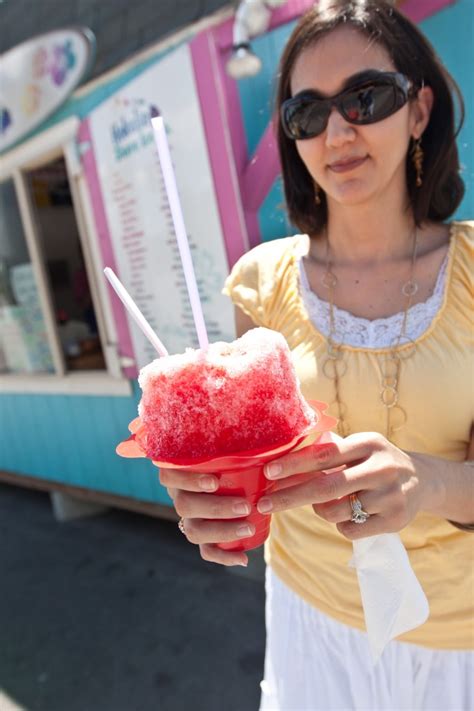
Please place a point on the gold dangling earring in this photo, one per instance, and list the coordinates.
(317, 197)
(417, 156)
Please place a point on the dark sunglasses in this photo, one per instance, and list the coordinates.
(370, 100)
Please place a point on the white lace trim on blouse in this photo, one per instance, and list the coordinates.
(377, 333)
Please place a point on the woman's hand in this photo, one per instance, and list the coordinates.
(385, 479)
(195, 503)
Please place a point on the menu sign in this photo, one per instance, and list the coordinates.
(137, 212)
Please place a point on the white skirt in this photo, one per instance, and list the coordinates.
(314, 663)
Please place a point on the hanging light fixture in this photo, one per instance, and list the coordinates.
(252, 18)
(255, 15)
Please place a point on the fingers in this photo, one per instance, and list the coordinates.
(188, 480)
(325, 456)
(201, 531)
(372, 527)
(190, 505)
(204, 515)
(304, 460)
(319, 488)
(387, 511)
(328, 486)
(212, 554)
(329, 495)
(340, 510)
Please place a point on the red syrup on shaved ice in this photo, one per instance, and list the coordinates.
(227, 410)
(229, 398)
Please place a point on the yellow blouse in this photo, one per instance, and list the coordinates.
(436, 394)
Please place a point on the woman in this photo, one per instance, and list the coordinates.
(373, 299)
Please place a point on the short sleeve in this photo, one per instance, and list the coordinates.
(243, 287)
(465, 253)
(461, 291)
(258, 277)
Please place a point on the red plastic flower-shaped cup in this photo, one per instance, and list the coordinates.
(240, 474)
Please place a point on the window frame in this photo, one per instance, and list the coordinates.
(59, 142)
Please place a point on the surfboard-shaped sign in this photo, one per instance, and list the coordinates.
(37, 76)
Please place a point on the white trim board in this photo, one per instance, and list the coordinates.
(42, 148)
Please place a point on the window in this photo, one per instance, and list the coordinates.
(66, 272)
(57, 329)
(24, 344)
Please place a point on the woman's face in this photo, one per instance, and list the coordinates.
(352, 164)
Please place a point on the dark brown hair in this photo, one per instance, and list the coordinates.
(412, 54)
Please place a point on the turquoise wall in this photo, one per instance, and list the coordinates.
(450, 31)
(72, 440)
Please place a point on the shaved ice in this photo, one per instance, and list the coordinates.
(228, 398)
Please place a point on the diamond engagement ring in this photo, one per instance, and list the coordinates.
(358, 513)
(181, 526)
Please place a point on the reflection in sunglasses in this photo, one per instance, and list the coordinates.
(306, 115)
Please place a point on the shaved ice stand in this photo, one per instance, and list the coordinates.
(83, 190)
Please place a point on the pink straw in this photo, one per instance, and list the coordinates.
(180, 230)
(134, 311)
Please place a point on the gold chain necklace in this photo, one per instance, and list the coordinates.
(334, 367)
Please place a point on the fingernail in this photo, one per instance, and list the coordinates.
(273, 470)
(208, 483)
(245, 531)
(264, 505)
(241, 508)
(243, 564)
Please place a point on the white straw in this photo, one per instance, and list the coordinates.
(134, 311)
(180, 230)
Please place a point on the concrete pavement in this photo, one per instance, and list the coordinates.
(118, 613)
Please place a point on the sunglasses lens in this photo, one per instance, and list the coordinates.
(369, 103)
(305, 118)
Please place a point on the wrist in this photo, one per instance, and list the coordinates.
(433, 490)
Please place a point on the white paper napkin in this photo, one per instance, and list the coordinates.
(392, 597)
